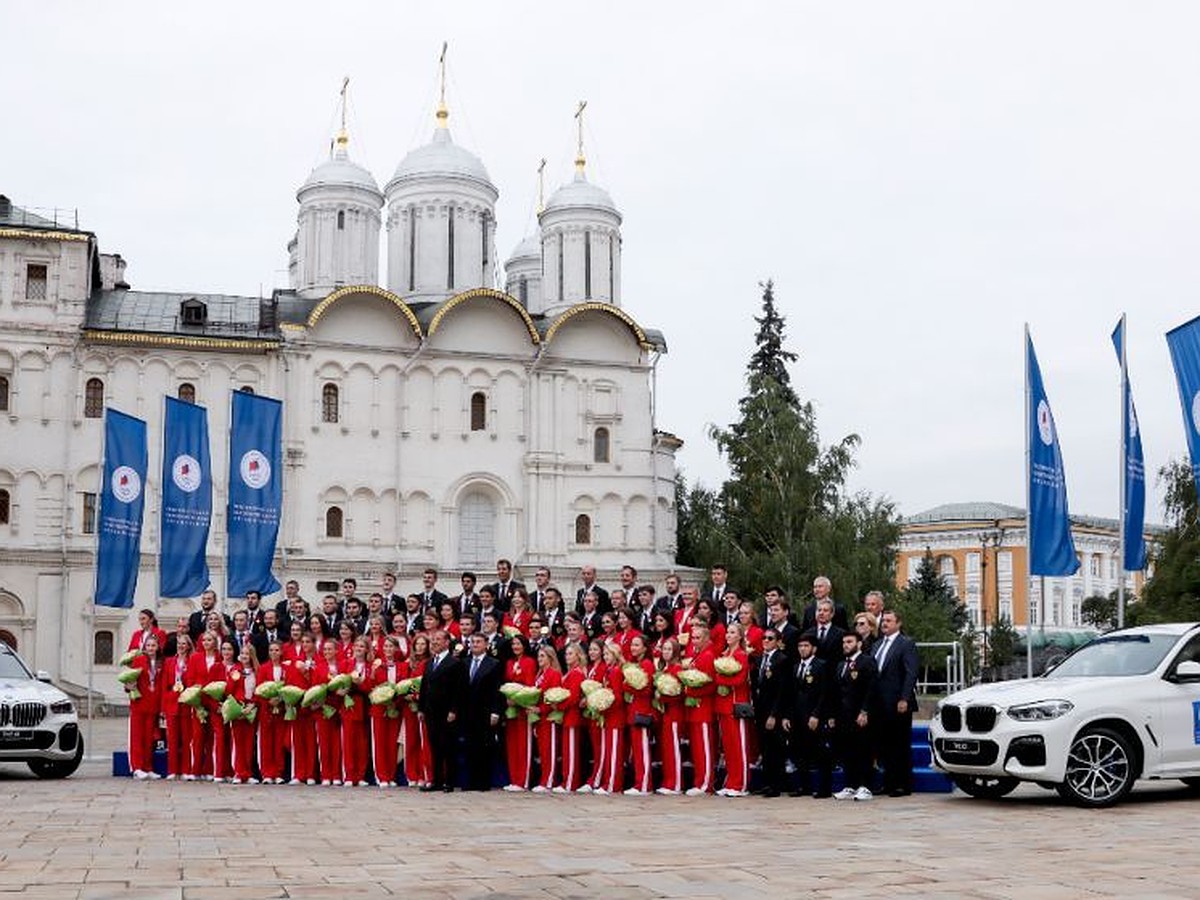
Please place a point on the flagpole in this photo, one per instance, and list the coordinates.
(1124, 474)
(1028, 523)
(90, 643)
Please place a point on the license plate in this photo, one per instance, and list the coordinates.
(13, 737)
(962, 746)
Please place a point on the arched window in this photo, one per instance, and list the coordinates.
(476, 530)
(329, 403)
(600, 445)
(583, 529)
(187, 392)
(478, 411)
(93, 399)
(246, 389)
(5, 507)
(7, 637)
(341, 220)
(333, 522)
(102, 648)
(3, 393)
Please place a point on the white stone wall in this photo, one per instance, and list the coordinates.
(327, 257)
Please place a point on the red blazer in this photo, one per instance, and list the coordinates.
(754, 636)
(150, 688)
(643, 700)
(522, 670)
(169, 701)
(546, 679)
(614, 716)
(573, 715)
(624, 638)
(519, 620)
(293, 652)
(266, 672)
(376, 645)
(135, 642)
(359, 692)
(703, 661)
(239, 687)
(716, 637)
(739, 685)
(683, 620)
(199, 671)
(672, 707)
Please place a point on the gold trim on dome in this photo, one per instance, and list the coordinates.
(491, 294)
(42, 235)
(607, 308)
(145, 338)
(374, 291)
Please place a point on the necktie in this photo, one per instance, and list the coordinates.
(766, 664)
(474, 666)
(821, 634)
(883, 649)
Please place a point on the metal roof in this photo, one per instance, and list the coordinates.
(160, 312)
(13, 216)
(973, 511)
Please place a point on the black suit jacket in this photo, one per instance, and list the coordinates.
(196, 623)
(789, 636)
(482, 697)
(257, 641)
(809, 619)
(770, 683)
(811, 694)
(603, 605)
(830, 649)
(442, 689)
(436, 599)
(504, 599)
(898, 675)
(856, 688)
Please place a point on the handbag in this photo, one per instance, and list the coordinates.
(743, 710)
(643, 720)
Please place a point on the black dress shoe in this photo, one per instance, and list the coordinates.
(822, 795)
(770, 792)
(448, 790)
(898, 792)
(427, 788)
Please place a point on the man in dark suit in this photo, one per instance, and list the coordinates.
(856, 688)
(197, 620)
(778, 617)
(829, 635)
(443, 689)
(821, 588)
(482, 708)
(806, 722)
(283, 608)
(242, 635)
(588, 575)
(590, 616)
(895, 656)
(331, 616)
(393, 603)
(505, 585)
(431, 597)
(271, 630)
(718, 575)
(770, 690)
(554, 617)
(498, 647)
(255, 609)
(537, 594)
(468, 600)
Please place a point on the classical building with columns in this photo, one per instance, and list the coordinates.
(437, 415)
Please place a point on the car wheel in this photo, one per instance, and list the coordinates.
(58, 768)
(985, 787)
(1192, 783)
(1101, 768)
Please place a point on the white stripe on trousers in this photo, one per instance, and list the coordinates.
(549, 782)
(645, 740)
(616, 757)
(569, 774)
(603, 756)
(741, 724)
(708, 765)
(677, 752)
(528, 752)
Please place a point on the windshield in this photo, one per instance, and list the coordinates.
(11, 667)
(1118, 654)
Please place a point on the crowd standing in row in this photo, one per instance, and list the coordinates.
(572, 699)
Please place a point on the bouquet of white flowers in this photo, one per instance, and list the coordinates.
(667, 685)
(215, 690)
(410, 689)
(590, 685)
(635, 676)
(556, 697)
(128, 658)
(727, 666)
(231, 710)
(598, 702)
(314, 696)
(129, 677)
(291, 697)
(342, 685)
(521, 696)
(194, 698)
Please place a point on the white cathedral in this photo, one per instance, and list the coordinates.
(436, 421)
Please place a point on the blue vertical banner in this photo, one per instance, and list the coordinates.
(186, 501)
(1184, 343)
(255, 492)
(1134, 520)
(122, 502)
(1051, 546)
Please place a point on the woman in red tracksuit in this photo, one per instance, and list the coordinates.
(698, 711)
(376, 635)
(147, 627)
(612, 775)
(272, 729)
(518, 732)
(626, 631)
(731, 691)
(549, 733)
(143, 709)
(385, 719)
(222, 739)
(670, 723)
(293, 649)
(518, 617)
(177, 717)
(329, 727)
(572, 763)
(243, 681)
(640, 717)
(597, 671)
(303, 733)
(418, 764)
(345, 641)
(200, 666)
(354, 717)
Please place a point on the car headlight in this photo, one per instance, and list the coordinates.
(1040, 711)
(62, 707)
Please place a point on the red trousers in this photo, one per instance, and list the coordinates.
(700, 738)
(220, 747)
(329, 746)
(354, 749)
(596, 740)
(242, 740)
(639, 749)
(572, 761)
(272, 735)
(202, 744)
(384, 732)
(735, 741)
(143, 723)
(548, 740)
(418, 764)
(669, 736)
(612, 779)
(179, 743)
(518, 746)
(304, 747)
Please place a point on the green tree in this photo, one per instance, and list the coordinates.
(1099, 611)
(1173, 594)
(931, 612)
(1002, 644)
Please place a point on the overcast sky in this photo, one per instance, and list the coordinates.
(919, 179)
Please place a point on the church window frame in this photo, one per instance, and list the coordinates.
(330, 403)
(587, 265)
(583, 529)
(450, 248)
(186, 392)
(104, 643)
(341, 220)
(479, 411)
(37, 281)
(5, 507)
(335, 523)
(93, 398)
(5, 393)
(89, 512)
(602, 445)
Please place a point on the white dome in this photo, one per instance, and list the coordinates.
(340, 171)
(441, 157)
(581, 194)
(530, 247)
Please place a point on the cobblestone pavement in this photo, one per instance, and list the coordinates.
(94, 836)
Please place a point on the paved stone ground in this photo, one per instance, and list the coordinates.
(94, 836)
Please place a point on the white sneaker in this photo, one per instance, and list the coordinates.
(189, 777)
(293, 781)
(634, 792)
(255, 781)
(236, 781)
(600, 792)
(863, 794)
(326, 783)
(311, 782)
(559, 790)
(730, 793)
(539, 789)
(723, 792)
(789, 767)
(153, 776)
(172, 777)
(584, 789)
(846, 793)
(696, 792)
(139, 774)
(513, 788)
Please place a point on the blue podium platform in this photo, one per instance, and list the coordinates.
(926, 780)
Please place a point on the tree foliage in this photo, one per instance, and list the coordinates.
(1099, 611)
(930, 611)
(1173, 594)
(1002, 643)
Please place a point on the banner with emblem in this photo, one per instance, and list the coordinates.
(255, 492)
(186, 501)
(122, 502)
(1133, 507)
(1051, 546)
(1184, 343)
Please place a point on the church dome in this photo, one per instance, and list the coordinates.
(441, 158)
(530, 248)
(340, 171)
(579, 193)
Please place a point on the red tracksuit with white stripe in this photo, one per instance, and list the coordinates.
(329, 729)
(670, 736)
(272, 729)
(385, 728)
(418, 763)
(518, 732)
(596, 672)
(612, 776)
(303, 730)
(641, 703)
(354, 721)
(139, 638)
(242, 733)
(735, 738)
(549, 734)
(143, 714)
(177, 716)
(572, 731)
(222, 739)
(699, 718)
(200, 666)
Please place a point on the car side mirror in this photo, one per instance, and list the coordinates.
(43, 675)
(1187, 672)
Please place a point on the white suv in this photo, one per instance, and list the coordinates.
(38, 722)
(1122, 707)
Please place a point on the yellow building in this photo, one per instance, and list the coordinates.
(980, 550)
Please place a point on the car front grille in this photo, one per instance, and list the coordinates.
(951, 717)
(967, 753)
(981, 719)
(27, 740)
(27, 714)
